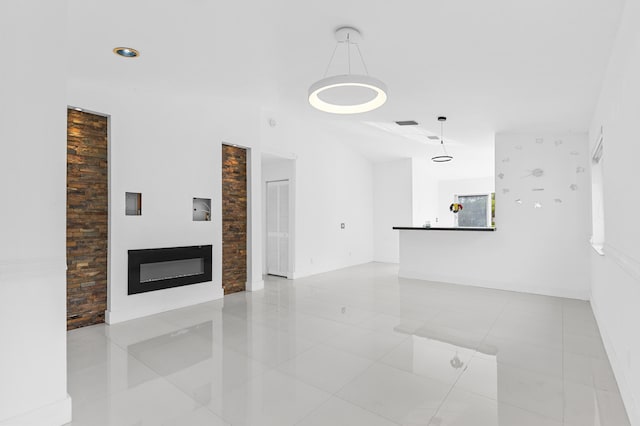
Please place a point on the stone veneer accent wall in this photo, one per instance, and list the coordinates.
(87, 218)
(234, 219)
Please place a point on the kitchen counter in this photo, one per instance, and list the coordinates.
(411, 228)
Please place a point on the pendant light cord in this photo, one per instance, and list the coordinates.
(366, 70)
(349, 52)
(445, 150)
(442, 138)
(349, 43)
(330, 60)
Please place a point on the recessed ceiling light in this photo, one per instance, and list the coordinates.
(126, 52)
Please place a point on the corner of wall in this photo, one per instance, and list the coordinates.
(254, 285)
(55, 414)
(625, 388)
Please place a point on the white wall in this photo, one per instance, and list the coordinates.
(424, 192)
(535, 250)
(33, 383)
(447, 189)
(333, 186)
(167, 146)
(392, 206)
(615, 288)
(273, 170)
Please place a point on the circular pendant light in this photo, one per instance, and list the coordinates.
(445, 157)
(325, 94)
(348, 93)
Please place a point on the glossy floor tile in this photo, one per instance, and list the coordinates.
(429, 358)
(326, 368)
(358, 346)
(337, 412)
(270, 399)
(463, 408)
(395, 394)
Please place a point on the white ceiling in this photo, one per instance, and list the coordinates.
(490, 66)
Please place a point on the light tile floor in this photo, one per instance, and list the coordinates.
(358, 346)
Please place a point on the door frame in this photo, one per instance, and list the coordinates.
(291, 177)
(288, 273)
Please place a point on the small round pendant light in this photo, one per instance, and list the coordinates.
(445, 157)
(347, 93)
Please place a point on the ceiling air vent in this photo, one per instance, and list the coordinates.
(407, 123)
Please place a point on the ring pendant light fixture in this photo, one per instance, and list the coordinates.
(445, 157)
(347, 93)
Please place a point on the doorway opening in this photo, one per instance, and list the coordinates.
(278, 215)
(277, 254)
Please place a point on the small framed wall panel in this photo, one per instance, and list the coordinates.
(202, 209)
(133, 204)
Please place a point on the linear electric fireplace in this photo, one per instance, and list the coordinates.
(157, 269)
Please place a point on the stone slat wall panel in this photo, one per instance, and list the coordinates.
(87, 218)
(234, 219)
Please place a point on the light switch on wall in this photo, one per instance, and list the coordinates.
(342, 226)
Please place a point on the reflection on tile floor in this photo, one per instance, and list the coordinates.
(352, 347)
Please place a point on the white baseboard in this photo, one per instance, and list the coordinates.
(296, 275)
(618, 370)
(56, 414)
(554, 292)
(254, 286)
(115, 317)
(309, 273)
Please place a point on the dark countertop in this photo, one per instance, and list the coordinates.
(410, 228)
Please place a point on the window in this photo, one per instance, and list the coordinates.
(475, 211)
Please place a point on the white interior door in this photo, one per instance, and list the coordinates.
(278, 228)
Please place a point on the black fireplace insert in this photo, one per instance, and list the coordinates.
(160, 268)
